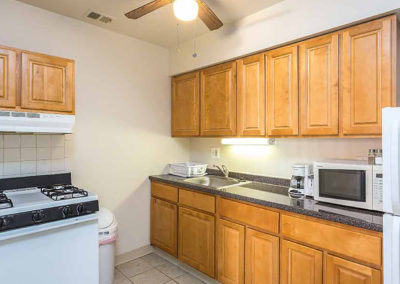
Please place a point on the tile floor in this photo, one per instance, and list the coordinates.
(152, 269)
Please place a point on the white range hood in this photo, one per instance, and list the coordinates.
(28, 122)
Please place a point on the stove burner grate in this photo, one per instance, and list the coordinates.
(62, 192)
(5, 202)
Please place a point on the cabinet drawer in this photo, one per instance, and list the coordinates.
(197, 200)
(164, 191)
(250, 215)
(354, 244)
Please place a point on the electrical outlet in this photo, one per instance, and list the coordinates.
(215, 154)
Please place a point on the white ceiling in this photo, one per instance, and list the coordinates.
(160, 26)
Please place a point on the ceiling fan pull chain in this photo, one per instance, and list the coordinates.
(194, 39)
(178, 46)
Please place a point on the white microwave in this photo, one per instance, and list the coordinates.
(349, 183)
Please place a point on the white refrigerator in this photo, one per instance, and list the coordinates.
(391, 194)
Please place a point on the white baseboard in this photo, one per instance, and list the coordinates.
(134, 254)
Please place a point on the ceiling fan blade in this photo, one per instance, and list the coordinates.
(208, 17)
(145, 9)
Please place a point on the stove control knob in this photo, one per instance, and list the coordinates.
(81, 208)
(38, 216)
(67, 211)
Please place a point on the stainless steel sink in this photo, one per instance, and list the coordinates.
(216, 182)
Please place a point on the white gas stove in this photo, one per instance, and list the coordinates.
(53, 224)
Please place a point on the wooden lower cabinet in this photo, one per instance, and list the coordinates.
(262, 258)
(196, 240)
(230, 252)
(341, 271)
(164, 225)
(300, 264)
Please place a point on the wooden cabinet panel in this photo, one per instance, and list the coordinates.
(197, 200)
(47, 83)
(300, 264)
(196, 240)
(186, 105)
(8, 77)
(251, 96)
(248, 214)
(319, 88)
(164, 191)
(352, 243)
(340, 271)
(218, 100)
(368, 84)
(164, 217)
(230, 255)
(262, 258)
(282, 91)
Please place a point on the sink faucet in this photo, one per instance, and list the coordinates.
(223, 169)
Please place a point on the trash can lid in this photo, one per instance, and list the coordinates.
(106, 218)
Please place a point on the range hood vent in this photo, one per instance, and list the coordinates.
(28, 122)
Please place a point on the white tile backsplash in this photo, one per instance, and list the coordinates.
(25, 155)
(12, 155)
(43, 141)
(28, 141)
(28, 154)
(28, 167)
(43, 153)
(12, 141)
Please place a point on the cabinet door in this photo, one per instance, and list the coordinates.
(319, 88)
(47, 83)
(164, 216)
(8, 77)
(300, 264)
(367, 75)
(196, 240)
(251, 96)
(262, 258)
(186, 105)
(282, 91)
(218, 100)
(340, 271)
(230, 255)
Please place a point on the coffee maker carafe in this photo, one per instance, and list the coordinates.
(301, 181)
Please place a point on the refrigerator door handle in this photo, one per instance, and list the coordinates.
(391, 246)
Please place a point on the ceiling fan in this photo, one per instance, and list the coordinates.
(185, 10)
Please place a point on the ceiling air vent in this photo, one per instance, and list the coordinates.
(99, 17)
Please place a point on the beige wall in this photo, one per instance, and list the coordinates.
(122, 130)
(283, 22)
(277, 160)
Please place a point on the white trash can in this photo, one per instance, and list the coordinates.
(107, 235)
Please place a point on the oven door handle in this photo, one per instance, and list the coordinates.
(34, 229)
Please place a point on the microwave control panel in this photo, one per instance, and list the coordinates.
(377, 182)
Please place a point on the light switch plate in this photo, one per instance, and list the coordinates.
(215, 153)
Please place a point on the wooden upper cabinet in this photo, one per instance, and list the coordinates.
(218, 100)
(196, 240)
(47, 83)
(368, 80)
(319, 89)
(186, 105)
(340, 271)
(164, 218)
(230, 252)
(282, 91)
(251, 96)
(8, 77)
(262, 258)
(300, 264)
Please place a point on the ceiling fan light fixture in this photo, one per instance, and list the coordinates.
(186, 10)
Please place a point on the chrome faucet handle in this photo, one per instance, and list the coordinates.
(223, 169)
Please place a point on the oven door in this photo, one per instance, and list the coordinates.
(344, 184)
(61, 252)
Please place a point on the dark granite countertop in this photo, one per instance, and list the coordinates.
(276, 196)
